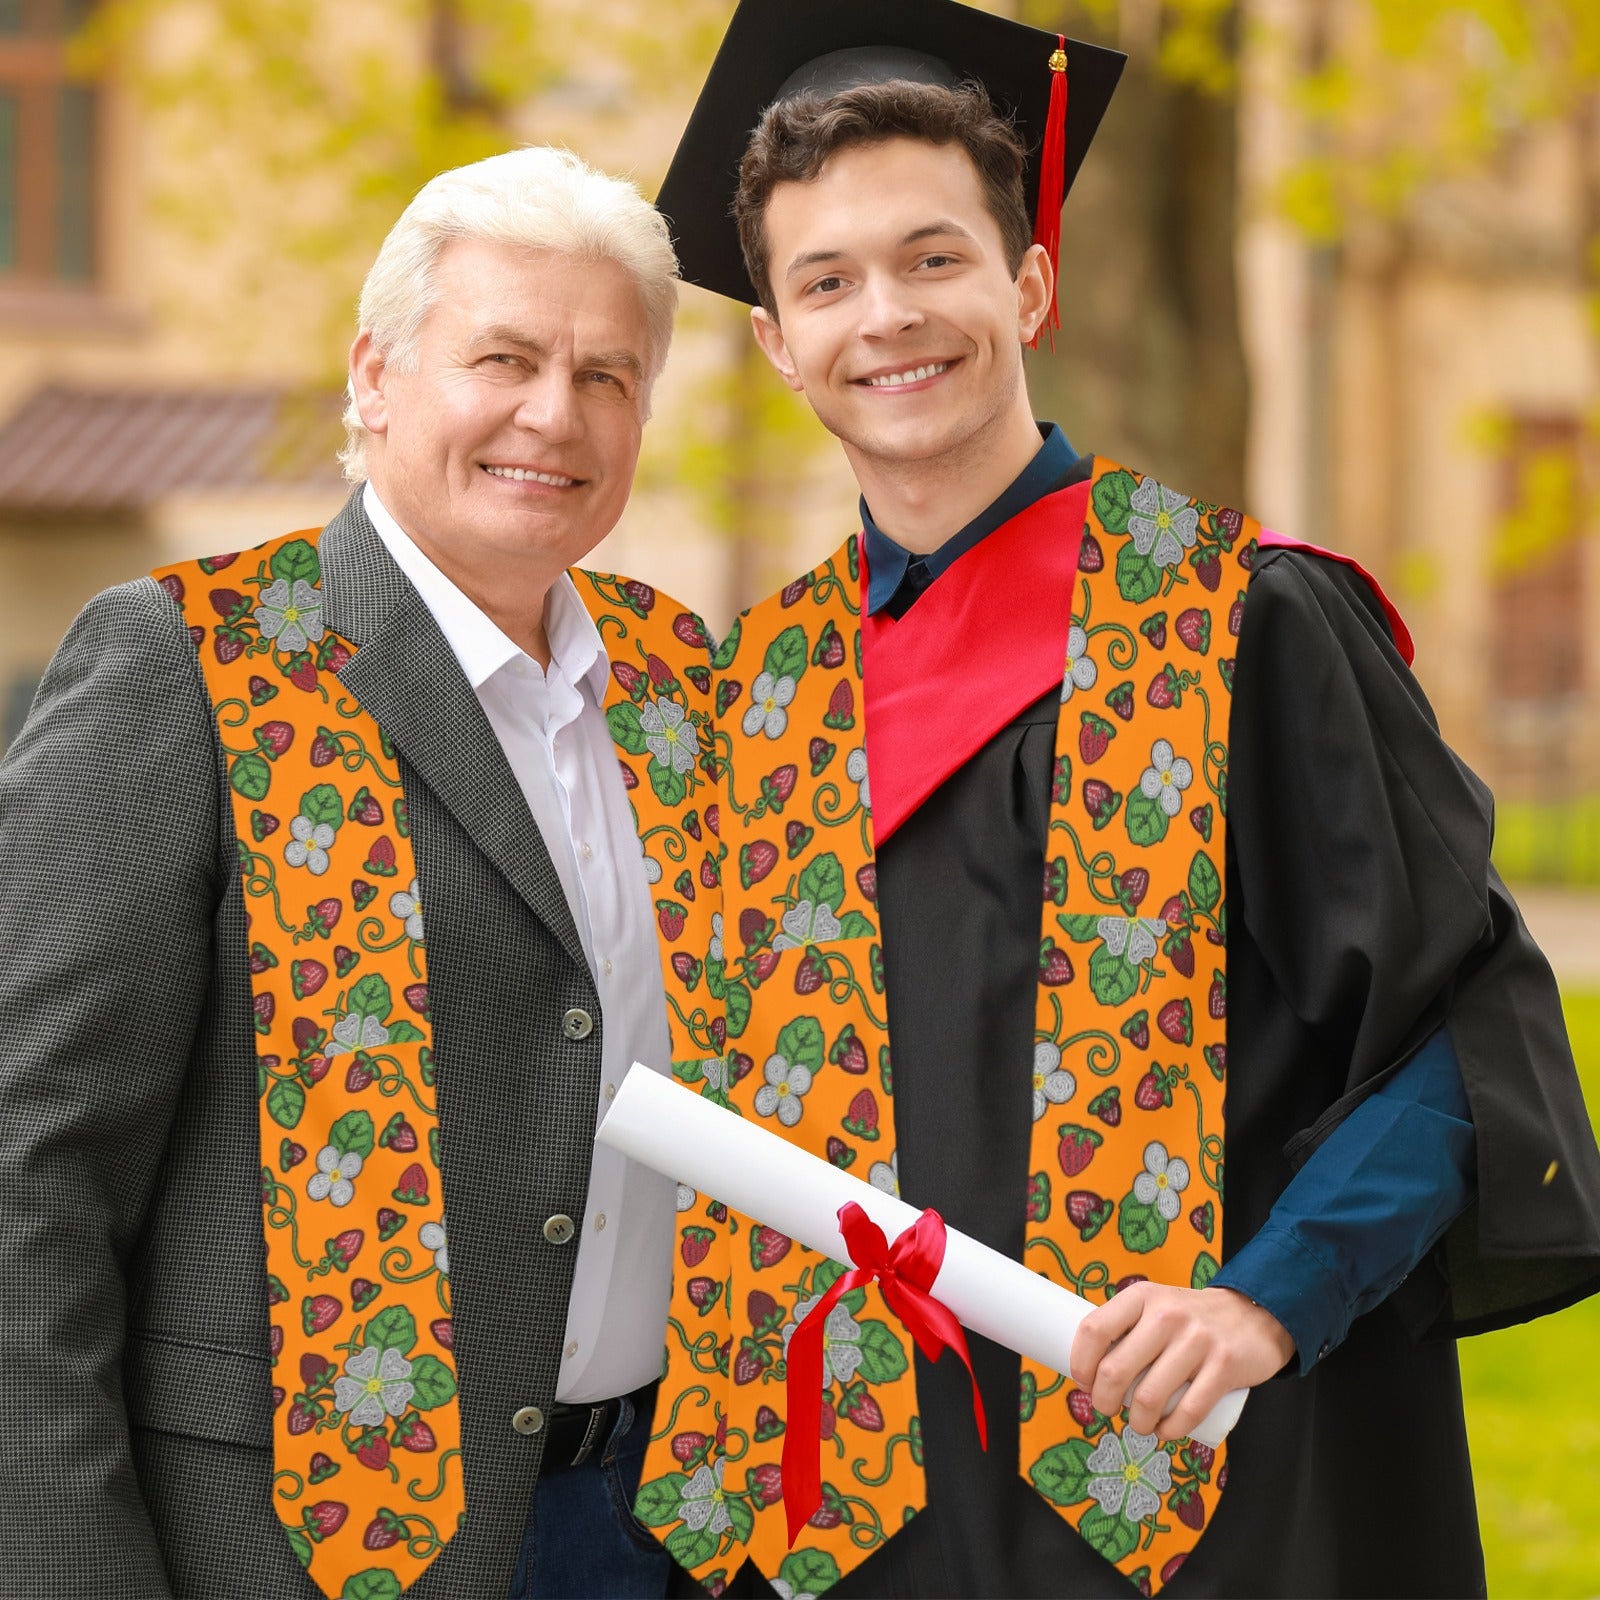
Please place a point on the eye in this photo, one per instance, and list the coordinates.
(605, 377)
(502, 358)
(826, 285)
(938, 261)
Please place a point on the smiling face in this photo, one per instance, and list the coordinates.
(898, 315)
(509, 448)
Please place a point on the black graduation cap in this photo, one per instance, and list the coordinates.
(777, 48)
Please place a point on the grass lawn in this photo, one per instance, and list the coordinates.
(1533, 1413)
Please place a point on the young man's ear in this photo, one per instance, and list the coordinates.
(1036, 283)
(366, 383)
(774, 347)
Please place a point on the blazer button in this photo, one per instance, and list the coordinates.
(577, 1024)
(530, 1419)
(559, 1229)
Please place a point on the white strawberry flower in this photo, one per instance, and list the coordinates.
(431, 1236)
(783, 1091)
(1053, 1085)
(767, 714)
(407, 905)
(334, 1178)
(1163, 524)
(1164, 1178)
(308, 844)
(1129, 1474)
(1165, 779)
(855, 769)
(1081, 671)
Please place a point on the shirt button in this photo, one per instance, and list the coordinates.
(588, 850)
(600, 1222)
(530, 1419)
(605, 967)
(611, 1091)
(559, 1229)
(577, 1024)
(571, 1350)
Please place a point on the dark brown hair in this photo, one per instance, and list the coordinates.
(796, 137)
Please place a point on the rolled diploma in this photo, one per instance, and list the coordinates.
(673, 1130)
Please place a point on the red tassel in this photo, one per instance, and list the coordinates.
(1052, 182)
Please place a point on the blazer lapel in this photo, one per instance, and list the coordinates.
(406, 675)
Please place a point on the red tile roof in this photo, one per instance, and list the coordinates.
(96, 450)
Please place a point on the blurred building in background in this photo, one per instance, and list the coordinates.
(190, 191)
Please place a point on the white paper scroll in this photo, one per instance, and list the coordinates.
(673, 1130)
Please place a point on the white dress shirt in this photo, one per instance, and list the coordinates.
(551, 725)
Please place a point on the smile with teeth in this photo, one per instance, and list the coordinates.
(893, 380)
(524, 475)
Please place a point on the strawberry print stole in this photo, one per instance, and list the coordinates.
(1129, 1060)
(367, 1441)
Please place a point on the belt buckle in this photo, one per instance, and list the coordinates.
(590, 1434)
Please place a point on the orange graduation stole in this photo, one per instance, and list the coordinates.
(367, 1473)
(1128, 596)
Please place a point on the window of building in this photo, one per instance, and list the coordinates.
(48, 136)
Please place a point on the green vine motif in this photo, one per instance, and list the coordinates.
(674, 848)
(261, 879)
(415, 1489)
(864, 1535)
(1101, 868)
(1211, 1146)
(356, 755)
(391, 1083)
(369, 933)
(697, 1392)
(1151, 1529)
(721, 751)
(224, 712)
(1123, 650)
(1215, 761)
(827, 807)
(1173, 578)
(280, 1202)
(822, 590)
(697, 1024)
(353, 1439)
(1099, 1042)
(842, 986)
(1051, 1388)
(1094, 1279)
(882, 1478)
(728, 1452)
(702, 1352)
(292, 1494)
(394, 1265)
(606, 621)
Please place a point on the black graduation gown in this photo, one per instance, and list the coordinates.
(1363, 913)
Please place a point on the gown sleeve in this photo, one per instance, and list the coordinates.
(1359, 851)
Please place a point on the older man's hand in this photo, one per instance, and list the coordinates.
(1212, 1339)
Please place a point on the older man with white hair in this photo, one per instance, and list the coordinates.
(331, 913)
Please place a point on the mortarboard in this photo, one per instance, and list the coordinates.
(777, 48)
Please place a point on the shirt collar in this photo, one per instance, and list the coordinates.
(888, 562)
(477, 641)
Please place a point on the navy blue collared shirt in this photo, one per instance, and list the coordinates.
(1379, 1192)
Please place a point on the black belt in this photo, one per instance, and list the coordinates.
(574, 1433)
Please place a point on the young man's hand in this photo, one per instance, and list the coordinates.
(1212, 1339)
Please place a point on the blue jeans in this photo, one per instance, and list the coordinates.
(582, 1542)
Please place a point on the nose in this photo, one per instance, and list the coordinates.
(887, 307)
(548, 405)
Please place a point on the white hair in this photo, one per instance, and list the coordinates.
(536, 197)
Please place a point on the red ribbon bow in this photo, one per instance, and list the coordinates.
(906, 1271)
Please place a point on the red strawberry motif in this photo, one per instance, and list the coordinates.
(261, 959)
(390, 1222)
(228, 647)
(661, 675)
(1207, 566)
(363, 893)
(748, 1365)
(728, 692)
(363, 1291)
(640, 596)
(1176, 1021)
(1087, 1212)
(841, 712)
(380, 858)
(671, 918)
(849, 1053)
(263, 823)
(1077, 1148)
(261, 691)
(862, 1119)
(756, 860)
(686, 967)
(1190, 1507)
(319, 1312)
(809, 976)
(691, 630)
(443, 1329)
(710, 877)
(860, 1407)
(265, 1007)
(1180, 951)
(821, 753)
(365, 808)
(384, 1530)
(306, 977)
(1153, 1091)
(1100, 801)
(333, 655)
(1203, 1219)
(303, 672)
(755, 927)
(839, 1153)
(275, 1342)
(1132, 887)
(1091, 558)
(1107, 1105)
(783, 781)
(1236, 616)
(830, 648)
(1162, 693)
(1136, 1030)
(344, 1247)
(290, 1155)
(374, 1452)
(828, 1427)
(1194, 628)
(1217, 997)
(1154, 628)
(765, 965)
(796, 836)
(173, 584)
(1216, 1056)
(197, 636)
(413, 1433)
(767, 1246)
(1081, 1406)
(765, 1483)
(1094, 734)
(1055, 965)
(412, 1188)
(695, 1245)
(416, 996)
(302, 1418)
(1120, 700)
(398, 1135)
(867, 882)
(768, 1424)
(703, 1292)
(321, 1467)
(795, 592)
(686, 1446)
(763, 1311)
(1200, 821)
(360, 1074)
(1202, 1455)
(1127, 1282)
(273, 738)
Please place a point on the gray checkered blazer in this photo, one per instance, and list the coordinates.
(137, 1458)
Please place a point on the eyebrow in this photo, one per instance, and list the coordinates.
(503, 334)
(941, 228)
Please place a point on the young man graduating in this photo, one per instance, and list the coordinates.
(1270, 937)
